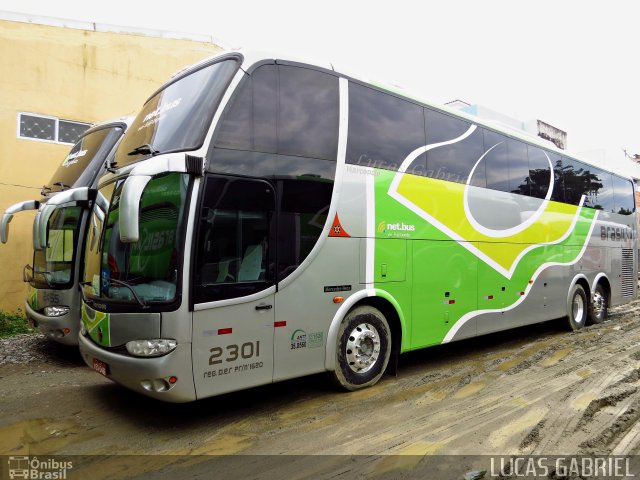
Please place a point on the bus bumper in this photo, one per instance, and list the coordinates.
(150, 376)
(63, 329)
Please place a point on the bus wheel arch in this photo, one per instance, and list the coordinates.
(578, 303)
(600, 299)
(387, 308)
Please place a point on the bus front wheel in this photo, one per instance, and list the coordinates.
(577, 308)
(363, 350)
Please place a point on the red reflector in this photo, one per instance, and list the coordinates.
(530, 282)
(173, 380)
(451, 302)
(225, 331)
(283, 323)
(521, 293)
(66, 331)
(490, 297)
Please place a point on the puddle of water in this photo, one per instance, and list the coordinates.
(224, 445)
(406, 458)
(469, 390)
(42, 436)
(555, 357)
(583, 401)
(501, 437)
(584, 372)
(518, 402)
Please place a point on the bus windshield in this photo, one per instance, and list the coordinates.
(53, 266)
(145, 271)
(177, 117)
(77, 168)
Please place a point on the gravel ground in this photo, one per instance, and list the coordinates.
(34, 348)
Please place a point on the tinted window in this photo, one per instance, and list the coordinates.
(82, 163)
(308, 113)
(304, 204)
(558, 177)
(518, 167)
(178, 116)
(623, 193)
(383, 129)
(599, 190)
(496, 161)
(234, 257)
(539, 172)
(575, 180)
(454, 161)
(298, 118)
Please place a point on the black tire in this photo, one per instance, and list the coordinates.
(577, 308)
(364, 336)
(599, 306)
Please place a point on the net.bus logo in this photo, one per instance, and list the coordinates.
(384, 227)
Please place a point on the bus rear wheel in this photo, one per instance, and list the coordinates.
(363, 350)
(599, 305)
(577, 308)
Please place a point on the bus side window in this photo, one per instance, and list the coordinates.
(233, 258)
(623, 193)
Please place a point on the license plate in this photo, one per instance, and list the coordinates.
(100, 367)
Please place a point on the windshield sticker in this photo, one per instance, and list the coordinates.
(73, 158)
(155, 116)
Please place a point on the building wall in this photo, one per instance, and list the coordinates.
(74, 74)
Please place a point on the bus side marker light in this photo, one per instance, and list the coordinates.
(521, 294)
(225, 331)
(173, 380)
(489, 297)
(449, 302)
(338, 299)
(281, 323)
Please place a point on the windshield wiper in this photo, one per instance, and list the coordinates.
(45, 190)
(126, 285)
(62, 185)
(145, 149)
(141, 302)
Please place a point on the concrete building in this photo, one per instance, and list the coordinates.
(58, 77)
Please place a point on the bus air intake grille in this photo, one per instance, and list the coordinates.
(628, 277)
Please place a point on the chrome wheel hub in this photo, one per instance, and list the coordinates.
(598, 304)
(578, 308)
(363, 348)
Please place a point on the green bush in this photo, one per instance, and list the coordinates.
(13, 323)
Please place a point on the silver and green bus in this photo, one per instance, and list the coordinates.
(53, 299)
(270, 218)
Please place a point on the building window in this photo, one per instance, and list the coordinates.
(52, 129)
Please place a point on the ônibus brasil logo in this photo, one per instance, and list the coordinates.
(35, 468)
(384, 227)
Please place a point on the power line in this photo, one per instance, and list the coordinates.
(21, 186)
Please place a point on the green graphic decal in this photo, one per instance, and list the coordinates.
(455, 272)
(32, 297)
(97, 324)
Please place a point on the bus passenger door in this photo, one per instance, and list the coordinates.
(232, 285)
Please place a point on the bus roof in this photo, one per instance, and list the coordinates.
(252, 57)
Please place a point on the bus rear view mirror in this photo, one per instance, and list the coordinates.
(68, 196)
(8, 216)
(129, 207)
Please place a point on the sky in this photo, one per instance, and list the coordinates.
(570, 63)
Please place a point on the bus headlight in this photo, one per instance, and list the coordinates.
(56, 311)
(151, 348)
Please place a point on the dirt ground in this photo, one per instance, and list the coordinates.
(535, 390)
